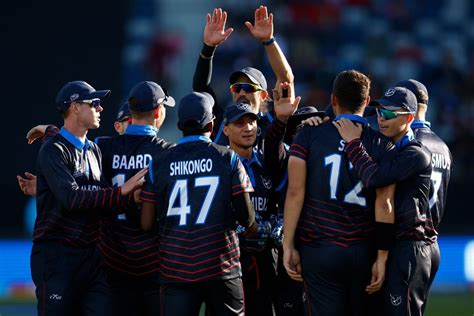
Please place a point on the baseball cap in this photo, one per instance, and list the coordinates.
(253, 74)
(123, 112)
(195, 108)
(76, 91)
(235, 111)
(147, 95)
(419, 89)
(398, 98)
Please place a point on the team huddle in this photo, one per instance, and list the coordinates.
(263, 207)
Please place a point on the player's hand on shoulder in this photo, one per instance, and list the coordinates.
(27, 183)
(314, 121)
(262, 29)
(134, 182)
(215, 32)
(348, 129)
(36, 132)
(285, 103)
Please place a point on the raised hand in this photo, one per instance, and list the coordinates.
(262, 29)
(284, 101)
(215, 32)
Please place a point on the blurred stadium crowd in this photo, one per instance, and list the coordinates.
(428, 40)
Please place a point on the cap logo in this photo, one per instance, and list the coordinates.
(243, 107)
(390, 92)
(120, 113)
(74, 97)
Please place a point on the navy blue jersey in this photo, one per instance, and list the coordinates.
(192, 186)
(441, 162)
(124, 246)
(264, 200)
(410, 169)
(71, 192)
(337, 208)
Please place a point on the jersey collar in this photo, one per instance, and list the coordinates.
(420, 124)
(76, 142)
(405, 140)
(253, 159)
(141, 130)
(194, 138)
(353, 118)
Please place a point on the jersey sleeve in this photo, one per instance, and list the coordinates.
(240, 179)
(54, 166)
(301, 145)
(149, 190)
(391, 169)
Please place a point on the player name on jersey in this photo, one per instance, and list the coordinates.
(131, 162)
(189, 167)
(440, 161)
(259, 203)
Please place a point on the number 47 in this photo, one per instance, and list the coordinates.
(181, 188)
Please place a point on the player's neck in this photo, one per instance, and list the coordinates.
(78, 131)
(242, 152)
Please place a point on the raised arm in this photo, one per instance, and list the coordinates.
(215, 34)
(262, 30)
(285, 104)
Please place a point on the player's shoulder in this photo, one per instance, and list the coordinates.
(416, 150)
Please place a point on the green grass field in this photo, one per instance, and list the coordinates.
(439, 305)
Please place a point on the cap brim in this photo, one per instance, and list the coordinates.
(238, 116)
(101, 94)
(233, 77)
(388, 105)
(170, 102)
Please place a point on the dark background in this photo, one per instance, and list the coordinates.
(44, 45)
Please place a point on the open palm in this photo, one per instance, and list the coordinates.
(215, 32)
(262, 29)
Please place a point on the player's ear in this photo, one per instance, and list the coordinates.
(410, 118)
(156, 114)
(225, 130)
(264, 95)
(118, 127)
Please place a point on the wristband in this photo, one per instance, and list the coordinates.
(384, 235)
(269, 42)
(207, 52)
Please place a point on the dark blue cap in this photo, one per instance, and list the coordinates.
(123, 112)
(398, 98)
(195, 109)
(235, 111)
(75, 91)
(254, 75)
(147, 95)
(419, 89)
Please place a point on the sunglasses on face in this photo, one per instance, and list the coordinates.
(92, 103)
(247, 87)
(389, 115)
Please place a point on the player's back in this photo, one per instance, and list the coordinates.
(125, 247)
(337, 208)
(194, 184)
(441, 162)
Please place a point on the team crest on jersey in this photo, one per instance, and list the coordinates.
(267, 183)
(395, 300)
(390, 92)
(243, 107)
(74, 97)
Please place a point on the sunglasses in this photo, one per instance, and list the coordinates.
(92, 103)
(389, 115)
(247, 87)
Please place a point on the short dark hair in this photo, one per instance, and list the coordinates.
(351, 89)
(192, 127)
(142, 115)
